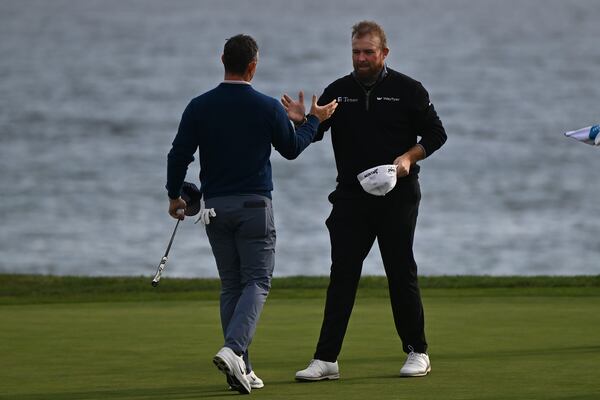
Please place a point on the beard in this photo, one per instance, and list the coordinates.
(367, 73)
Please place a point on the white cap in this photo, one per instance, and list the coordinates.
(379, 180)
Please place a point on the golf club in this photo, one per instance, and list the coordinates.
(163, 261)
(192, 196)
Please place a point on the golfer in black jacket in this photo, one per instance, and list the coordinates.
(384, 119)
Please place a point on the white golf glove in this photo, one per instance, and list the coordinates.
(205, 214)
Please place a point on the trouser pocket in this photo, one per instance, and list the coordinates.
(255, 219)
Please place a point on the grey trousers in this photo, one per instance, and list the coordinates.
(242, 238)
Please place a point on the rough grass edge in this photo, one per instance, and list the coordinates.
(27, 289)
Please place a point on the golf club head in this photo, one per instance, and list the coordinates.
(161, 266)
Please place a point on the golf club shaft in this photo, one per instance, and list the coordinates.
(172, 237)
(163, 261)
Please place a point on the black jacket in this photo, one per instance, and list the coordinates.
(374, 127)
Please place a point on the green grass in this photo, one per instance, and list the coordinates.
(28, 289)
(118, 338)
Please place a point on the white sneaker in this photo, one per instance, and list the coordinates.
(234, 368)
(255, 381)
(318, 370)
(417, 364)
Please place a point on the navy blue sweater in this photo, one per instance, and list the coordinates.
(233, 126)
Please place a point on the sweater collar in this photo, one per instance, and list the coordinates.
(369, 85)
(237, 82)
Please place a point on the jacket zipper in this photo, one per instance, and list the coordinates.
(368, 92)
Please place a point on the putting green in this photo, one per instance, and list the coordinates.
(495, 343)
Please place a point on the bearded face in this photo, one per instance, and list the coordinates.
(368, 57)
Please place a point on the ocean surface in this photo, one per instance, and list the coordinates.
(91, 93)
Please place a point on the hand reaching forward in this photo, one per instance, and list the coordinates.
(295, 109)
(322, 112)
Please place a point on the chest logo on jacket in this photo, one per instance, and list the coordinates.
(344, 99)
(388, 99)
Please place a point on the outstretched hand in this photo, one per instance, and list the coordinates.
(294, 109)
(322, 112)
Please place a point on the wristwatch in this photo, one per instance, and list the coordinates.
(297, 124)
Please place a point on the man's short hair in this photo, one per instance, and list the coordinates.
(240, 50)
(369, 27)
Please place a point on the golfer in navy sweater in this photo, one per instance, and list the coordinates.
(233, 128)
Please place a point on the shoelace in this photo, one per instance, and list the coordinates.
(315, 363)
(412, 358)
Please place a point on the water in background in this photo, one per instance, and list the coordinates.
(91, 93)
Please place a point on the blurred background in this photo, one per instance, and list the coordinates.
(91, 93)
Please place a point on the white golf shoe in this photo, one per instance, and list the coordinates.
(318, 370)
(234, 368)
(417, 364)
(255, 381)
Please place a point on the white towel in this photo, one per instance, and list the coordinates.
(589, 135)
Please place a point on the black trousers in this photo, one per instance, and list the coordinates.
(356, 220)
